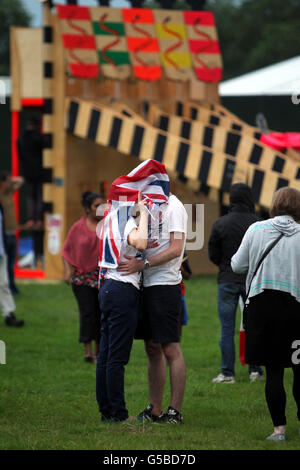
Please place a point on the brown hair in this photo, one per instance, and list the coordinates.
(286, 201)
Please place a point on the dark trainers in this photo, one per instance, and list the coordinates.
(11, 320)
(172, 416)
(147, 415)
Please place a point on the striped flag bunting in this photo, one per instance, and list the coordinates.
(144, 43)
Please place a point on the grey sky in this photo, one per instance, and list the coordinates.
(34, 7)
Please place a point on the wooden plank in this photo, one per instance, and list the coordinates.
(15, 70)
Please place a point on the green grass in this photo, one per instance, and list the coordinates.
(47, 392)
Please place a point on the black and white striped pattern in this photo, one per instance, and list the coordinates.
(236, 144)
(48, 110)
(189, 160)
(209, 115)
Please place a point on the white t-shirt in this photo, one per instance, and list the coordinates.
(127, 250)
(171, 217)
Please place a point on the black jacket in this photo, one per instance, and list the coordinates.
(228, 232)
(30, 149)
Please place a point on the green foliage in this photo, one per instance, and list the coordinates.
(256, 33)
(12, 13)
(47, 393)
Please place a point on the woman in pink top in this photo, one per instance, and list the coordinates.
(80, 256)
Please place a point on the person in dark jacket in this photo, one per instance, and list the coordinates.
(225, 239)
(30, 149)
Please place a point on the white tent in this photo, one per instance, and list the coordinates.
(282, 79)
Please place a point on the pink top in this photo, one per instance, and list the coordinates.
(81, 248)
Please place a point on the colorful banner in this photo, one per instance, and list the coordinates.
(174, 50)
(111, 44)
(79, 41)
(142, 43)
(204, 45)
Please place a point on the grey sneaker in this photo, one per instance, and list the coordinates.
(276, 437)
(221, 378)
(256, 377)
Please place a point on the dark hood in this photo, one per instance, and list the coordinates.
(241, 198)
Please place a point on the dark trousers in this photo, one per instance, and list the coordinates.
(275, 393)
(228, 298)
(11, 253)
(119, 306)
(34, 200)
(89, 313)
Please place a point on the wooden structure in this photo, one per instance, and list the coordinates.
(99, 125)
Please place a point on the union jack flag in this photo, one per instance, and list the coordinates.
(151, 179)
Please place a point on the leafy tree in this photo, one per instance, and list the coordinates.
(256, 33)
(12, 13)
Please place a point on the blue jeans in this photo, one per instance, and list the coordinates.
(228, 297)
(119, 306)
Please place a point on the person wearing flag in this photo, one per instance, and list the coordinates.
(162, 306)
(122, 235)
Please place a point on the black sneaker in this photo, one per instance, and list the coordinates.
(11, 320)
(172, 416)
(147, 415)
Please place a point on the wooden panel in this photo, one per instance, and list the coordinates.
(29, 46)
(15, 69)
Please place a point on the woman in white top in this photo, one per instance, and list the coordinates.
(119, 300)
(272, 316)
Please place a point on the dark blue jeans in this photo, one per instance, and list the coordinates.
(119, 306)
(11, 251)
(228, 297)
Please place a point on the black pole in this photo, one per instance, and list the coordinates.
(103, 3)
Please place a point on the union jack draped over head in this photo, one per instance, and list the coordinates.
(151, 178)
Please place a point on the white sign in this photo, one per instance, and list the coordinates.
(54, 225)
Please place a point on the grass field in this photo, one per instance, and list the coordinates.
(47, 391)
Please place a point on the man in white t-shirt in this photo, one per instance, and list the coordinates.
(161, 307)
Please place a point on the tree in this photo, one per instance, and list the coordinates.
(12, 13)
(256, 33)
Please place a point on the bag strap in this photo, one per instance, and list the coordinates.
(267, 251)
